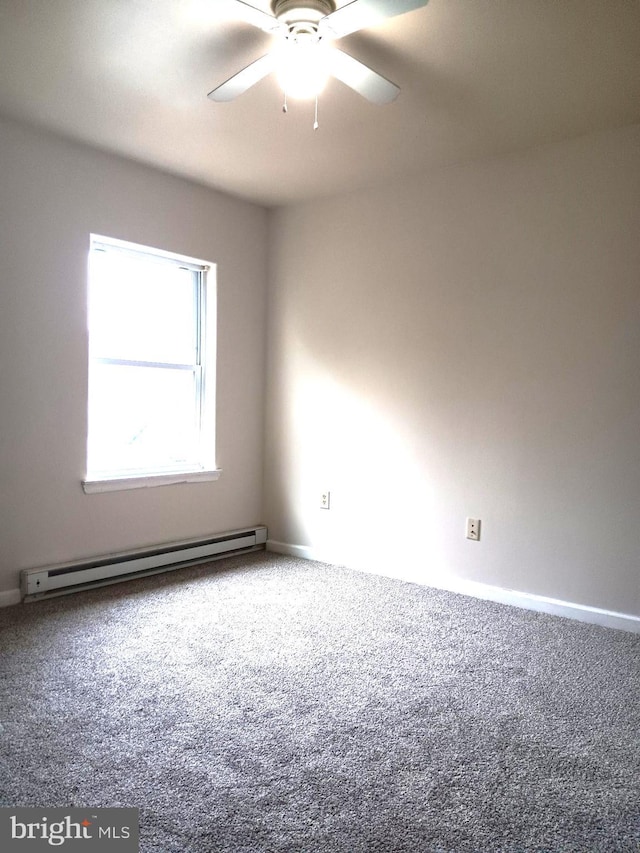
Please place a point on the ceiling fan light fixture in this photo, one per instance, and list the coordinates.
(302, 67)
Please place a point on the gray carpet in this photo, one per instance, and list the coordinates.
(266, 704)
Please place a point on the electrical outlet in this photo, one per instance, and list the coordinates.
(325, 500)
(473, 529)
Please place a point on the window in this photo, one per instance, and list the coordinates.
(151, 367)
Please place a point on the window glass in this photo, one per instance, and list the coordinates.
(143, 419)
(151, 359)
(142, 309)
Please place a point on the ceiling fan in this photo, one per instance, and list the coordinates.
(303, 56)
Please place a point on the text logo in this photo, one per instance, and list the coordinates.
(33, 830)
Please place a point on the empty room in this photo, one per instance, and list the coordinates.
(320, 426)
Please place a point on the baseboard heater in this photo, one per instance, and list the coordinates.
(73, 577)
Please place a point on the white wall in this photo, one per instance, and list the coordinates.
(52, 195)
(466, 343)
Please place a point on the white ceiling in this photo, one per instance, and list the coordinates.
(478, 78)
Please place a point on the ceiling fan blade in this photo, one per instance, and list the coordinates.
(365, 13)
(359, 77)
(244, 79)
(257, 17)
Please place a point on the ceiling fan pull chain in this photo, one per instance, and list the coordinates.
(315, 123)
(284, 106)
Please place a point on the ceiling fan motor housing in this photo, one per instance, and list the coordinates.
(302, 15)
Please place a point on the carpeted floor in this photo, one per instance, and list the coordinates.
(262, 703)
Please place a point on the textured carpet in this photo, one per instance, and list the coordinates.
(266, 704)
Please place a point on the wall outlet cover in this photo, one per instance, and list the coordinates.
(473, 529)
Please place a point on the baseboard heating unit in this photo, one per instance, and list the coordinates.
(73, 577)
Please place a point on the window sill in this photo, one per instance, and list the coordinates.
(119, 484)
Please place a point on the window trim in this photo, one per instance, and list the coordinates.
(205, 374)
(120, 484)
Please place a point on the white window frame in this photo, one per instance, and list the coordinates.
(204, 368)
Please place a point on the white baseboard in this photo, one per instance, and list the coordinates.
(525, 600)
(301, 551)
(542, 604)
(9, 597)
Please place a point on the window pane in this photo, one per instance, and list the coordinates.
(142, 418)
(141, 309)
